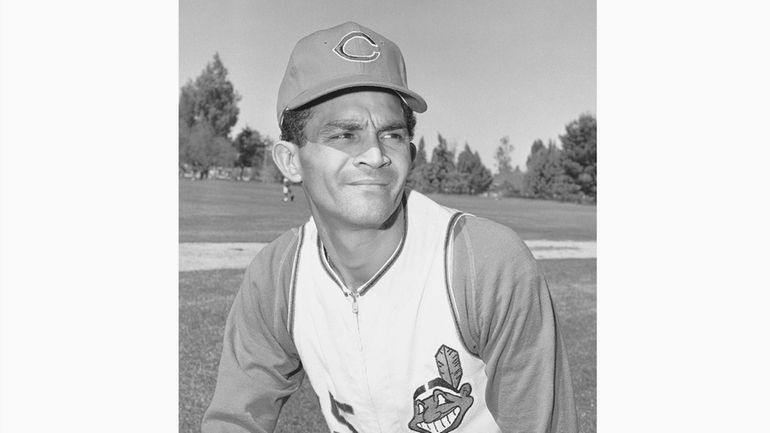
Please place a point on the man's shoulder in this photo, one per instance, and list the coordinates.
(483, 235)
(286, 241)
(490, 265)
(491, 241)
(275, 259)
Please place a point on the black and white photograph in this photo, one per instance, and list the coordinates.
(387, 217)
(351, 216)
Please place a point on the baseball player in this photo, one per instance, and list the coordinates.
(404, 315)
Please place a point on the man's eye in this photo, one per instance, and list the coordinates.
(343, 136)
(393, 136)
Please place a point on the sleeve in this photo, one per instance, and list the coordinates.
(259, 368)
(506, 316)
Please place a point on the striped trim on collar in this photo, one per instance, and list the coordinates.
(323, 256)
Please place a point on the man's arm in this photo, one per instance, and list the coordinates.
(259, 368)
(506, 317)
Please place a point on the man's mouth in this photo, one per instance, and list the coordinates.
(442, 423)
(374, 183)
(369, 182)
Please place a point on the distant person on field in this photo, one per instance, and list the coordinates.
(405, 315)
(287, 194)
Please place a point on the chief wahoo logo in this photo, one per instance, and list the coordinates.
(441, 404)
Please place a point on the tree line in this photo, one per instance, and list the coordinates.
(443, 175)
(566, 173)
(208, 110)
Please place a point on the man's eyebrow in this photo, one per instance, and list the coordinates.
(354, 125)
(345, 125)
(400, 124)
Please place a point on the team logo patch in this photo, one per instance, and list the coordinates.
(357, 46)
(441, 404)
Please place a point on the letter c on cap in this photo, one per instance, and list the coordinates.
(340, 48)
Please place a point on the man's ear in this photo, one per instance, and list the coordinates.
(412, 150)
(286, 157)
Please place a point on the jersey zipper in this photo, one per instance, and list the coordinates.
(355, 295)
(354, 307)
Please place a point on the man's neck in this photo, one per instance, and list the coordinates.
(357, 255)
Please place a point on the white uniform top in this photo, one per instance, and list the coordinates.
(475, 349)
(367, 353)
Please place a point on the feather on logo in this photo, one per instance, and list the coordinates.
(449, 368)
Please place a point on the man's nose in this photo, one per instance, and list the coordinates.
(372, 153)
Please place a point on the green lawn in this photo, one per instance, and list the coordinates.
(225, 211)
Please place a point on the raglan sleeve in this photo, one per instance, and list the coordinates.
(259, 368)
(506, 315)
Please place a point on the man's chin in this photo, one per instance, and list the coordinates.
(360, 211)
(374, 215)
(372, 221)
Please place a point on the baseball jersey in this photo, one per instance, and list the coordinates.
(456, 332)
(369, 350)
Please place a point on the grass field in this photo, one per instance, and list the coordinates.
(220, 211)
(224, 211)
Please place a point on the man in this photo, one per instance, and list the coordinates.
(404, 315)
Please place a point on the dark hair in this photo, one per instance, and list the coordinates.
(294, 121)
(293, 125)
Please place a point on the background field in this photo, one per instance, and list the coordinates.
(222, 211)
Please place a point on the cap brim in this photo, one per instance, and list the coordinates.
(412, 99)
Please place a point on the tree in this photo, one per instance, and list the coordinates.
(510, 184)
(417, 179)
(503, 155)
(420, 157)
(469, 176)
(579, 150)
(203, 150)
(537, 147)
(465, 160)
(545, 177)
(187, 101)
(252, 148)
(475, 175)
(441, 164)
(208, 109)
(211, 98)
(455, 183)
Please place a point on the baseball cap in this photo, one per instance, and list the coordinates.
(342, 57)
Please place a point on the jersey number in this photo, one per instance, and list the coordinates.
(337, 407)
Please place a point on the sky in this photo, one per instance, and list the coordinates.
(522, 69)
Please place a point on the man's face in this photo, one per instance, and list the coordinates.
(441, 410)
(356, 159)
